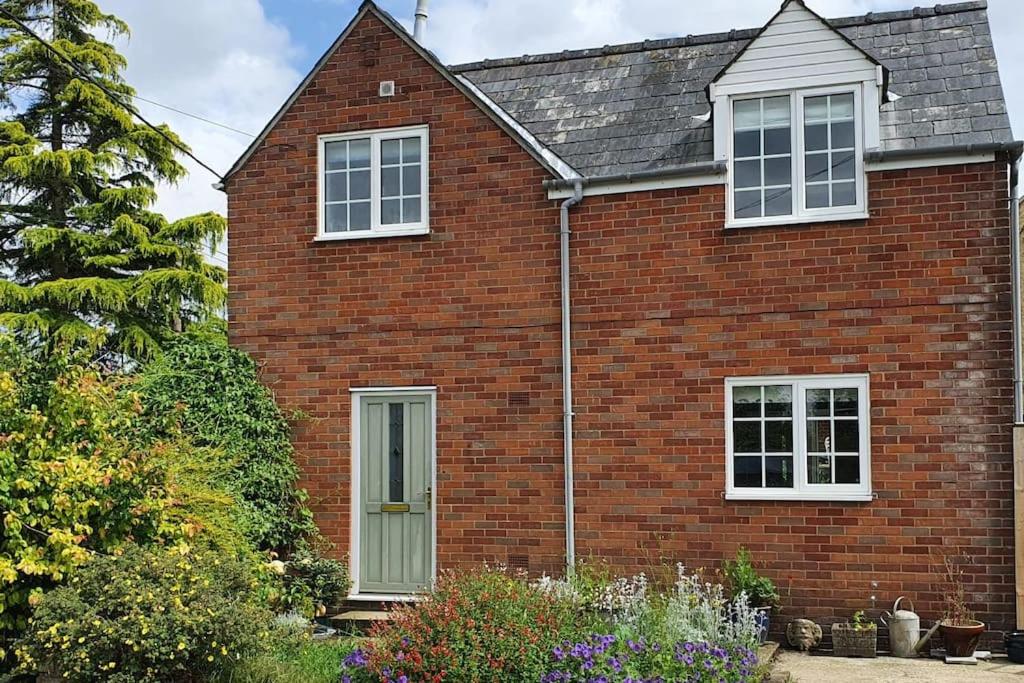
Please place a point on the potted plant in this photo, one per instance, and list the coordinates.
(742, 577)
(960, 630)
(856, 638)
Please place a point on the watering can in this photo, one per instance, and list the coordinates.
(904, 629)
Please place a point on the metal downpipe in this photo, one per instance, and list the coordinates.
(567, 412)
(1018, 343)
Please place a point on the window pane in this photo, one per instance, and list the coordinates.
(842, 165)
(818, 402)
(389, 182)
(359, 216)
(336, 218)
(778, 472)
(747, 114)
(778, 202)
(816, 108)
(411, 210)
(847, 436)
(747, 143)
(391, 211)
(746, 472)
(411, 150)
(411, 179)
(746, 437)
(359, 153)
(396, 453)
(776, 171)
(819, 434)
(844, 194)
(748, 173)
(390, 151)
(847, 470)
(819, 469)
(843, 135)
(815, 137)
(816, 167)
(776, 111)
(778, 436)
(335, 155)
(845, 402)
(777, 141)
(778, 401)
(842, 106)
(359, 185)
(748, 204)
(817, 196)
(746, 402)
(337, 187)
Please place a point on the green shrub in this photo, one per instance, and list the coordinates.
(313, 581)
(147, 616)
(75, 477)
(743, 578)
(212, 393)
(291, 659)
(475, 626)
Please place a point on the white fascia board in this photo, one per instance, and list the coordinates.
(645, 185)
(564, 170)
(925, 161)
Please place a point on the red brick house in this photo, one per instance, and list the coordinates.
(649, 302)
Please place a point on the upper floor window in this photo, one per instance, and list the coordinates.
(798, 438)
(373, 184)
(796, 157)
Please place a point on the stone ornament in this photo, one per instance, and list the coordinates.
(803, 634)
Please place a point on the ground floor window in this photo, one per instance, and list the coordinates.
(800, 438)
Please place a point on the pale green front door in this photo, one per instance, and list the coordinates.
(396, 534)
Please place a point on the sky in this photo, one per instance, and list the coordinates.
(236, 61)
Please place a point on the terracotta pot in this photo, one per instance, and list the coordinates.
(961, 641)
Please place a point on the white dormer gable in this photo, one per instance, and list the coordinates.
(794, 113)
(797, 48)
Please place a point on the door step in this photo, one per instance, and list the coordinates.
(358, 622)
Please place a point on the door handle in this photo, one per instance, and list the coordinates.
(427, 495)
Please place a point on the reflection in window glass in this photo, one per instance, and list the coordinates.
(830, 151)
(762, 158)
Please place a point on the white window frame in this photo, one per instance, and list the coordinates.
(376, 137)
(857, 211)
(803, 491)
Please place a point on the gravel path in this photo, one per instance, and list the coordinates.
(804, 668)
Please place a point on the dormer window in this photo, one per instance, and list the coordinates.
(796, 157)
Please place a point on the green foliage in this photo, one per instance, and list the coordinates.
(476, 626)
(295, 659)
(743, 578)
(212, 394)
(74, 477)
(92, 264)
(147, 616)
(861, 623)
(313, 580)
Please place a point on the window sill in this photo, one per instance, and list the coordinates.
(802, 497)
(797, 220)
(370, 234)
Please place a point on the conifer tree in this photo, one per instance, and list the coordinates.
(83, 257)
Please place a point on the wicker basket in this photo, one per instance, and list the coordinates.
(849, 641)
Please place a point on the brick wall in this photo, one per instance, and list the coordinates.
(667, 304)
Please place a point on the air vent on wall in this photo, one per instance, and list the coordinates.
(387, 88)
(519, 563)
(519, 398)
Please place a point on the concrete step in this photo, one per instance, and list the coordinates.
(358, 622)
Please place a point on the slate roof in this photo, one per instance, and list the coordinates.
(631, 108)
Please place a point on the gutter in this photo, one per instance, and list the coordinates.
(701, 169)
(567, 412)
(1014, 149)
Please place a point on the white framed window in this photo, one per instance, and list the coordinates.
(796, 157)
(373, 184)
(798, 438)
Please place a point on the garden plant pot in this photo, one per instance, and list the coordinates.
(849, 641)
(961, 641)
(1015, 646)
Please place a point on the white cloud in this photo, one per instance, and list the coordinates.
(222, 60)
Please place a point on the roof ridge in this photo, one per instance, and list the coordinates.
(709, 38)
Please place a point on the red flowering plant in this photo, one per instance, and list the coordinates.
(478, 625)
